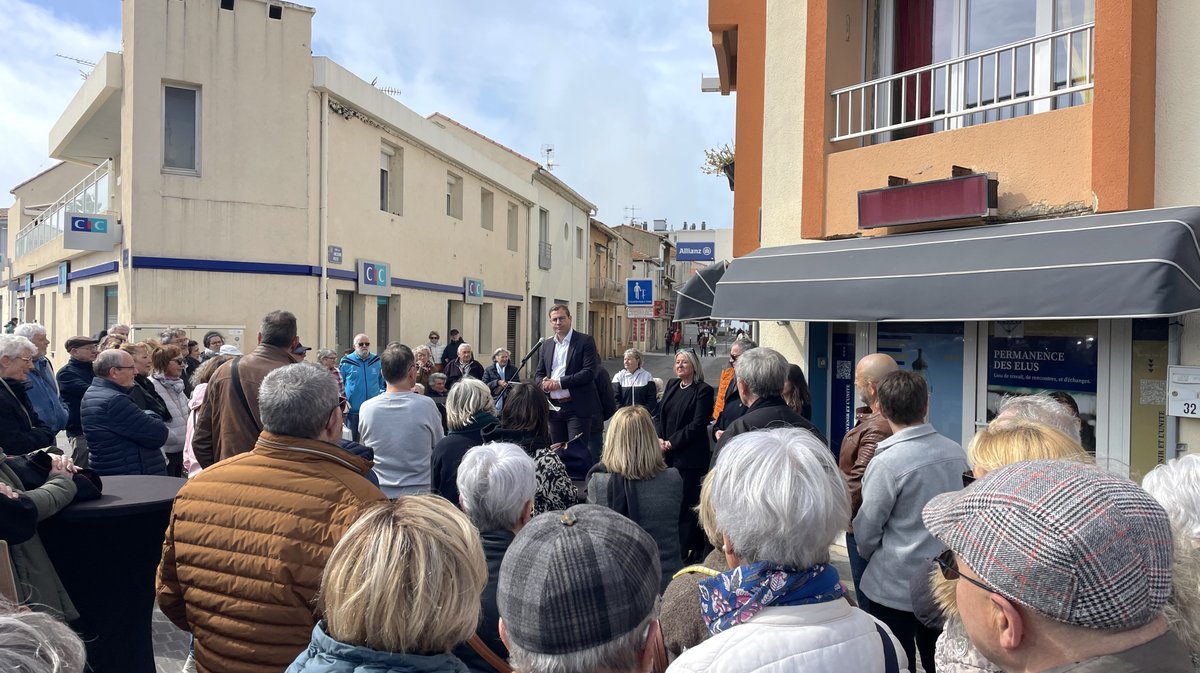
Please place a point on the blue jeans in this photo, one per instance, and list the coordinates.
(858, 566)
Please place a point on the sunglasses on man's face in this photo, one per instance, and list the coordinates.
(948, 564)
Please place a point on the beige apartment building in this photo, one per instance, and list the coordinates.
(611, 262)
(227, 172)
(653, 259)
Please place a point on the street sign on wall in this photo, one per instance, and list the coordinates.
(639, 292)
(473, 290)
(90, 231)
(634, 312)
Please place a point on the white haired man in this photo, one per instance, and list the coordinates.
(761, 373)
(43, 388)
(495, 488)
(249, 537)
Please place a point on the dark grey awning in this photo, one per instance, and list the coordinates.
(696, 296)
(1129, 264)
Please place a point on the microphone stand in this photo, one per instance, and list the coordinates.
(525, 360)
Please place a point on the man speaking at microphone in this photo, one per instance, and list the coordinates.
(566, 371)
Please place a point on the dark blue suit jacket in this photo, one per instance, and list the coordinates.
(580, 377)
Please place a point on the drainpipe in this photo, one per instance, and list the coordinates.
(323, 282)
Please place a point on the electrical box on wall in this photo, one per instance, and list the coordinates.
(1183, 391)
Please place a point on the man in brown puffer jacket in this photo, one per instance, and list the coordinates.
(249, 537)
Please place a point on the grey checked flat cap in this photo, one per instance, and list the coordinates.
(1068, 540)
(577, 579)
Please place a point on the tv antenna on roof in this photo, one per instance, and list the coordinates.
(82, 73)
(547, 153)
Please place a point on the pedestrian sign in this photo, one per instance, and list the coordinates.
(639, 292)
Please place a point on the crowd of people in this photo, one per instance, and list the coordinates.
(413, 509)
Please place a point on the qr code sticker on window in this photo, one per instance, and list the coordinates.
(1152, 392)
(845, 370)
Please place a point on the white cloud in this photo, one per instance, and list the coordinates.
(614, 86)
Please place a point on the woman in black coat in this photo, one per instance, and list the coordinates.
(683, 416)
(21, 431)
(500, 376)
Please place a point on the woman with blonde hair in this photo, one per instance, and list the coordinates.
(424, 364)
(1003, 442)
(400, 590)
(633, 479)
(469, 409)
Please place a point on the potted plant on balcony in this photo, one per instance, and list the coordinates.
(719, 161)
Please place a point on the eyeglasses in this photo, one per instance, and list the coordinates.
(949, 566)
(178, 361)
(968, 478)
(434, 337)
(363, 344)
(27, 358)
(343, 404)
(123, 367)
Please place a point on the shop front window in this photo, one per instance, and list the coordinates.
(1057, 357)
(935, 351)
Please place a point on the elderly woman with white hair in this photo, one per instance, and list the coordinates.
(496, 485)
(501, 375)
(1176, 486)
(469, 409)
(21, 430)
(778, 502)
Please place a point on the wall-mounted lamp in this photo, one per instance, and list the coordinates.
(783, 323)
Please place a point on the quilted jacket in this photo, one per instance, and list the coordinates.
(122, 439)
(248, 540)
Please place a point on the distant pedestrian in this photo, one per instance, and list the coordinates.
(362, 377)
(435, 348)
(401, 427)
(668, 341)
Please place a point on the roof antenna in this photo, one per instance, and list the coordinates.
(82, 73)
(548, 157)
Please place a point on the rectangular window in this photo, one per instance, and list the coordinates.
(487, 209)
(181, 129)
(543, 225)
(512, 227)
(454, 196)
(391, 179)
(343, 321)
(579, 242)
(382, 328)
(510, 328)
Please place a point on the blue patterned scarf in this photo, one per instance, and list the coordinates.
(734, 596)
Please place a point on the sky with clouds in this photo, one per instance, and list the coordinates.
(613, 85)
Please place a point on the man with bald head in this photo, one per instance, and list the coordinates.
(858, 447)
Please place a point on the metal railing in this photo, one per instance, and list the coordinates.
(90, 195)
(1046, 72)
(605, 290)
(544, 250)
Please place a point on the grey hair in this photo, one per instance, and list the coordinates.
(326, 352)
(437, 376)
(462, 346)
(495, 482)
(422, 347)
(297, 399)
(107, 360)
(36, 642)
(29, 329)
(779, 497)
(635, 354)
(744, 344)
(623, 653)
(764, 370)
(468, 397)
(1041, 408)
(1176, 486)
(121, 325)
(496, 353)
(691, 357)
(15, 346)
(170, 333)
(279, 329)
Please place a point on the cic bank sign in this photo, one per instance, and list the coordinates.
(374, 278)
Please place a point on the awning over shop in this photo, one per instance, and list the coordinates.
(1117, 265)
(696, 296)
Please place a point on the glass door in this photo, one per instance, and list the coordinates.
(935, 351)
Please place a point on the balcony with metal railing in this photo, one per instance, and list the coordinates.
(605, 291)
(91, 195)
(1039, 74)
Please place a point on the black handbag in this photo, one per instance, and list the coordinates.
(33, 469)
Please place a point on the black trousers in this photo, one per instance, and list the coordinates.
(565, 426)
(692, 542)
(909, 631)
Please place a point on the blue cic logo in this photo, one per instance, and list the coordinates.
(97, 225)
